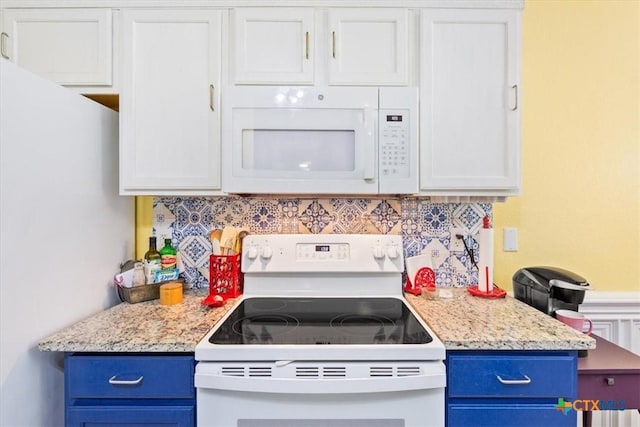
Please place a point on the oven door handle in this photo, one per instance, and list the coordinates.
(321, 385)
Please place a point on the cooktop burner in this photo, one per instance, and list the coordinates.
(321, 321)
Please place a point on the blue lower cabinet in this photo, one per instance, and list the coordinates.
(129, 390)
(114, 415)
(511, 414)
(510, 388)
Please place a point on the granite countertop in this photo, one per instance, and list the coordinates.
(142, 327)
(462, 322)
(466, 322)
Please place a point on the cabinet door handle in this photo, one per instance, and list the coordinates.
(333, 44)
(211, 97)
(306, 45)
(114, 381)
(514, 88)
(526, 380)
(3, 38)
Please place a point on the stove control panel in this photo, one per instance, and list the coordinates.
(322, 253)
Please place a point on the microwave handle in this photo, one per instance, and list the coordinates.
(370, 144)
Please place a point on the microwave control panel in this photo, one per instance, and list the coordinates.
(394, 142)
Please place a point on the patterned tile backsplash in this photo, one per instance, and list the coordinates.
(425, 227)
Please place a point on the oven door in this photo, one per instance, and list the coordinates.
(331, 394)
(310, 146)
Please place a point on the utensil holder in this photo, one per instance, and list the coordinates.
(225, 278)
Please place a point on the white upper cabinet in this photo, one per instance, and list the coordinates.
(170, 102)
(72, 47)
(340, 46)
(368, 46)
(470, 102)
(273, 45)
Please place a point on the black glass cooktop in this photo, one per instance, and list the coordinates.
(321, 321)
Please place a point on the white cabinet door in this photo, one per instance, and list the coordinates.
(169, 104)
(273, 45)
(469, 102)
(68, 46)
(368, 46)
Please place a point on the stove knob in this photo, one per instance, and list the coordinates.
(392, 252)
(378, 252)
(252, 252)
(267, 252)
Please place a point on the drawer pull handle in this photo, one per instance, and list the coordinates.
(526, 380)
(611, 381)
(114, 381)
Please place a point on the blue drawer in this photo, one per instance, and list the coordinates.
(148, 377)
(127, 416)
(512, 376)
(509, 416)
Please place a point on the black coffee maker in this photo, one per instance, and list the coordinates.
(549, 288)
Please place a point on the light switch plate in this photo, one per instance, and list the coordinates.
(510, 241)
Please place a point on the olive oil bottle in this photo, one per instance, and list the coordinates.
(152, 262)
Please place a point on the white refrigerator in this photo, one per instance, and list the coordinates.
(64, 232)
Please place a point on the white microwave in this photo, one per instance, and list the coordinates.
(320, 140)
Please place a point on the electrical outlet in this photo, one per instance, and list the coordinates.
(510, 239)
(456, 244)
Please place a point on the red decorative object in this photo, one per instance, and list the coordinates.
(495, 293)
(425, 278)
(225, 279)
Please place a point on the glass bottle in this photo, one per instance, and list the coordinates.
(168, 255)
(151, 261)
(139, 278)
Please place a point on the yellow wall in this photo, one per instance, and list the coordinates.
(144, 224)
(580, 202)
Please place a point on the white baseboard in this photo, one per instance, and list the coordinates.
(616, 318)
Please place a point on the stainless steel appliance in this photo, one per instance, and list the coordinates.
(549, 288)
(320, 140)
(321, 337)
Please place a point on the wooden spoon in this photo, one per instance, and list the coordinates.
(241, 235)
(215, 237)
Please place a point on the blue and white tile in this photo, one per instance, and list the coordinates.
(316, 216)
(425, 226)
(386, 216)
(414, 245)
(195, 251)
(193, 217)
(409, 211)
(289, 215)
(459, 272)
(468, 217)
(230, 210)
(445, 275)
(350, 216)
(195, 277)
(264, 216)
(434, 219)
(438, 251)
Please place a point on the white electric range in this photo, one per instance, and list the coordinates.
(321, 337)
